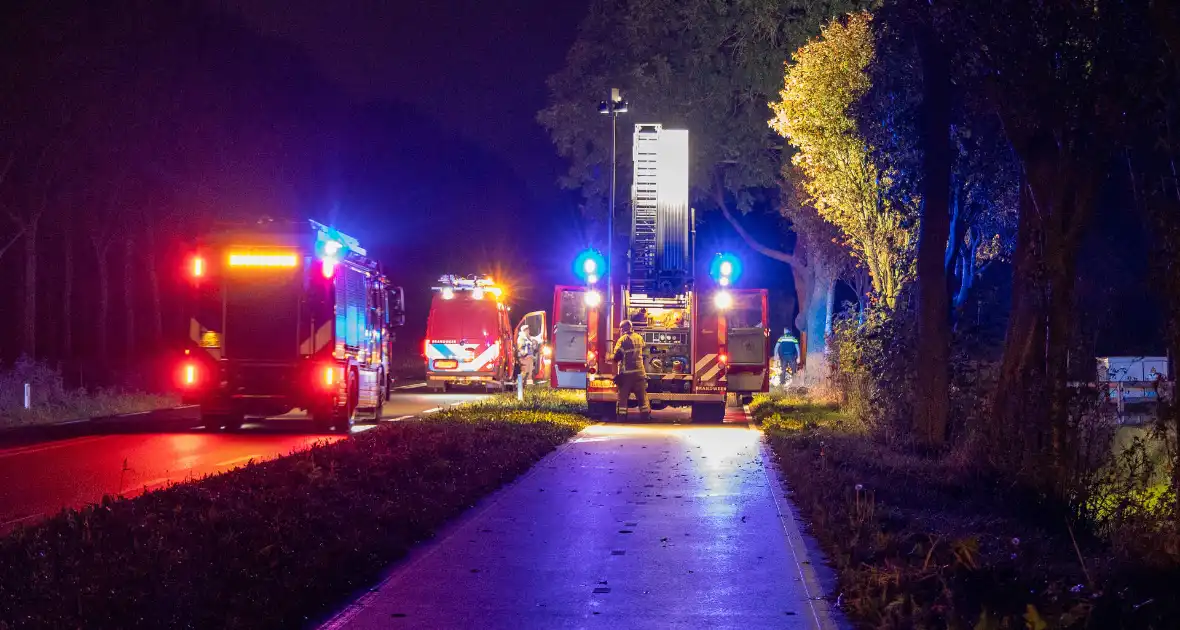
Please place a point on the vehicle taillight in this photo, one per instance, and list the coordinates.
(329, 376)
(189, 374)
(723, 358)
(328, 268)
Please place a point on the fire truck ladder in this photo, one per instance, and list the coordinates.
(644, 204)
(661, 259)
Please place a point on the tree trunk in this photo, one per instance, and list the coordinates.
(932, 386)
(1018, 400)
(29, 333)
(818, 323)
(154, 288)
(67, 291)
(104, 305)
(128, 300)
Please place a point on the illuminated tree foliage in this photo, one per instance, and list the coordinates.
(827, 79)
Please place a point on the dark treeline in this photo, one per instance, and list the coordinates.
(128, 127)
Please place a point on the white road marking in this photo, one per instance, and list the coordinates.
(244, 458)
(48, 447)
(23, 518)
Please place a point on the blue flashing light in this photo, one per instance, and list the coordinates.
(726, 269)
(589, 266)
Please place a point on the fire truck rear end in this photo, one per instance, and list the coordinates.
(706, 343)
(468, 339)
(288, 315)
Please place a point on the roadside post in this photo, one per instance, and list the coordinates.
(520, 386)
(28, 396)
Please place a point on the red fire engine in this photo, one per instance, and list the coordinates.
(469, 341)
(288, 315)
(705, 344)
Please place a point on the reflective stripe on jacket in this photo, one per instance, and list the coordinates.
(630, 347)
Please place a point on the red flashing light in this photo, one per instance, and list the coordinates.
(724, 358)
(329, 375)
(198, 267)
(189, 374)
(590, 356)
(328, 268)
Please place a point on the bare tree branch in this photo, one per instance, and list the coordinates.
(719, 197)
(12, 241)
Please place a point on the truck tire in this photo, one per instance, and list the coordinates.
(345, 417)
(333, 418)
(215, 421)
(708, 413)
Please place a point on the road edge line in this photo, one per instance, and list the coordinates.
(812, 587)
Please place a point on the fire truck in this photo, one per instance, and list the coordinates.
(707, 343)
(469, 341)
(288, 315)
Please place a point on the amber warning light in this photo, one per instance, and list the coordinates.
(262, 260)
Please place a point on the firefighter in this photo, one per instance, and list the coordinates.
(786, 350)
(526, 349)
(628, 355)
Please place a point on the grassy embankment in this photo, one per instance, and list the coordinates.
(925, 542)
(51, 401)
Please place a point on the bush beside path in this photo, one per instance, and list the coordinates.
(922, 542)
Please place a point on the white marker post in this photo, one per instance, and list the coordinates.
(28, 395)
(520, 386)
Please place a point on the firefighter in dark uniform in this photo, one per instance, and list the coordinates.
(632, 378)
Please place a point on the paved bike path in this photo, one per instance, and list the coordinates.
(632, 526)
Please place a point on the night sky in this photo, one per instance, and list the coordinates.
(478, 69)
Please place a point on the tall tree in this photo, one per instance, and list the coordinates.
(1054, 75)
(827, 78)
(932, 386)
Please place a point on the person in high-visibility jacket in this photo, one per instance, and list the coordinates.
(786, 351)
(631, 377)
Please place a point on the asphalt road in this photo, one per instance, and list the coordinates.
(38, 480)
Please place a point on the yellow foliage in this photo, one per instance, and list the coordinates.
(829, 75)
(1033, 620)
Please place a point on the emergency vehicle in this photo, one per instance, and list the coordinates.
(469, 341)
(288, 315)
(707, 343)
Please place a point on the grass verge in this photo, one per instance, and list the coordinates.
(83, 404)
(278, 544)
(920, 542)
(51, 401)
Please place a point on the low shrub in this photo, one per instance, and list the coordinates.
(921, 542)
(791, 411)
(51, 401)
(272, 545)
